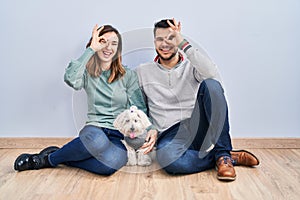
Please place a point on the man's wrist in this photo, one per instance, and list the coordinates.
(184, 45)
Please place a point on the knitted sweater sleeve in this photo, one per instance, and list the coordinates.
(75, 72)
(203, 65)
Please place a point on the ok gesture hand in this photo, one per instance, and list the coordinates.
(175, 31)
(98, 42)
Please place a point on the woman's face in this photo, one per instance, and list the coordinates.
(110, 48)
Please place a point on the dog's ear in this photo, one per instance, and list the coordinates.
(144, 118)
(119, 121)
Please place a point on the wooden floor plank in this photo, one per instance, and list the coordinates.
(277, 177)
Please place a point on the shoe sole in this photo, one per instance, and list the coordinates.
(224, 178)
(247, 152)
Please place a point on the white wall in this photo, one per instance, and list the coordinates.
(255, 44)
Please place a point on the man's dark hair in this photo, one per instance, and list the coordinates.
(162, 24)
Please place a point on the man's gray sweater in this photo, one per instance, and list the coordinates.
(171, 93)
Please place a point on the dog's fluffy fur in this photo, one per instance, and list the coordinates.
(132, 123)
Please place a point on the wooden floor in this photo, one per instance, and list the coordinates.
(277, 177)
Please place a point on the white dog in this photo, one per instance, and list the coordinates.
(132, 123)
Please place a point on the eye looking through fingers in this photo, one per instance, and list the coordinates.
(168, 39)
(102, 40)
(171, 37)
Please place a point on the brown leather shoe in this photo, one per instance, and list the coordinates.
(225, 169)
(243, 157)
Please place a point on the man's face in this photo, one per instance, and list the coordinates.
(165, 44)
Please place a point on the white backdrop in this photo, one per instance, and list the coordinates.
(255, 44)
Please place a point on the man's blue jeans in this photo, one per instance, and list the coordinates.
(195, 144)
(98, 150)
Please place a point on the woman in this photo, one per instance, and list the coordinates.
(111, 88)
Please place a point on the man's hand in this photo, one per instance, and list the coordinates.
(98, 42)
(175, 32)
(150, 141)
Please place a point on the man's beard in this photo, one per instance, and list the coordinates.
(166, 59)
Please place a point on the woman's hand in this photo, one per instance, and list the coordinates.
(98, 42)
(150, 141)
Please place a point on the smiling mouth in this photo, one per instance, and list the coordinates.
(107, 54)
(165, 48)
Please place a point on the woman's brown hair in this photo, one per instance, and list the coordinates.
(117, 69)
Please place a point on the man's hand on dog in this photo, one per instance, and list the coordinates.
(150, 141)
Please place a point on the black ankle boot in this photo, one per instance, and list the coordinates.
(31, 161)
(34, 161)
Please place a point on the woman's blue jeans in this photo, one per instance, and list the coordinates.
(194, 145)
(97, 150)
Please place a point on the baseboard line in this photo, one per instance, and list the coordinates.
(238, 143)
(266, 143)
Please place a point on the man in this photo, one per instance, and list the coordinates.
(188, 108)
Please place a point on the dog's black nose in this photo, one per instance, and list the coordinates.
(132, 128)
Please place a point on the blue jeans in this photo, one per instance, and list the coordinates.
(97, 150)
(194, 144)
